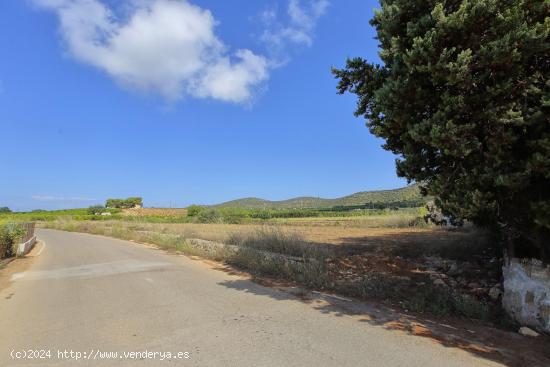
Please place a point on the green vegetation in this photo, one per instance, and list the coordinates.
(5, 209)
(196, 214)
(194, 210)
(404, 197)
(96, 209)
(51, 215)
(132, 202)
(9, 233)
(463, 98)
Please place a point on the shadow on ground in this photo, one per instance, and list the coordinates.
(507, 348)
(459, 244)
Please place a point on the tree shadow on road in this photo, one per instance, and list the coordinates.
(507, 348)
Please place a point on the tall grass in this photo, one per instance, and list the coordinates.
(273, 239)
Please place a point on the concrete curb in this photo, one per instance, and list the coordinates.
(25, 247)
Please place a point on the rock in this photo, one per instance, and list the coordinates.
(480, 291)
(439, 283)
(525, 331)
(495, 293)
(401, 278)
(473, 285)
(453, 283)
(454, 270)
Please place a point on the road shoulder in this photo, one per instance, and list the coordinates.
(11, 266)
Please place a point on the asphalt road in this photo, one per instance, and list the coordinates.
(88, 293)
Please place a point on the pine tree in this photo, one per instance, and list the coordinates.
(463, 97)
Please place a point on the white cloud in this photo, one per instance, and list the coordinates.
(163, 46)
(229, 81)
(59, 198)
(298, 29)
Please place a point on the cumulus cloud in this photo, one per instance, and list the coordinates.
(166, 47)
(296, 29)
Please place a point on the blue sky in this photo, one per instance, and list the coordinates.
(182, 102)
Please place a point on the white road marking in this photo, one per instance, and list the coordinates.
(91, 270)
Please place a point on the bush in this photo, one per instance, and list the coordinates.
(128, 203)
(96, 210)
(233, 218)
(5, 209)
(9, 233)
(209, 216)
(194, 210)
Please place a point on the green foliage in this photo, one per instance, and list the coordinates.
(96, 209)
(463, 98)
(131, 202)
(194, 210)
(48, 216)
(5, 209)
(9, 233)
(209, 216)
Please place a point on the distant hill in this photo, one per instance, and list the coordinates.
(405, 194)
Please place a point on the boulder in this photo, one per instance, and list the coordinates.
(525, 331)
(495, 292)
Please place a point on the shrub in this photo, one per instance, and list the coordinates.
(5, 209)
(194, 210)
(9, 233)
(96, 209)
(131, 202)
(233, 218)
(209, 216)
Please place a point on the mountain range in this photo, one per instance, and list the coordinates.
(408, 194)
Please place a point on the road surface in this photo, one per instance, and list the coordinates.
(89, 296)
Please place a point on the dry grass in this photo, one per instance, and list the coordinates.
(273, 239)
(397, 219)
(317, 233)
(157, 212)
